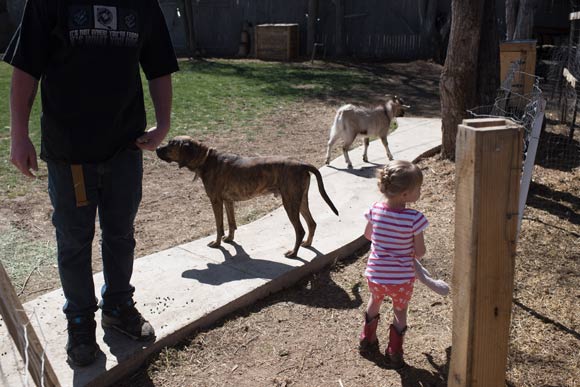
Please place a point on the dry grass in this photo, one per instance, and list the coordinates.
(307, 335)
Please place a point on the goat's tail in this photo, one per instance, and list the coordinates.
(316, 172)
(334, 129)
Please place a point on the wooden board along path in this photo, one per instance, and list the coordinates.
(23, 335)
(191, 286)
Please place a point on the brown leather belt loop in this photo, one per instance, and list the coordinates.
(79, 185)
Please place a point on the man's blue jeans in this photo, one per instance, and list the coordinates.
(113, 189)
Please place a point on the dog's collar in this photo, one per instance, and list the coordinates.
(202, 162)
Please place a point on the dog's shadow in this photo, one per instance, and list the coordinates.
(366, 172)
(239, 266)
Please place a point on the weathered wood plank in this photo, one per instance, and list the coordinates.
(488, 165)
(21, 332)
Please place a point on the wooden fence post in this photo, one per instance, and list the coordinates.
(488, 168)
(19, 327)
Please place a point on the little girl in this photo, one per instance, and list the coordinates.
(396, 235)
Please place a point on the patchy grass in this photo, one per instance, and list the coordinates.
(22, 256)
(11, 182)
(209, 97)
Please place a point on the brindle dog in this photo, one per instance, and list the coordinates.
(229, 178)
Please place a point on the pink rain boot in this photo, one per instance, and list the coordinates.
(368, 337)
(394, 350)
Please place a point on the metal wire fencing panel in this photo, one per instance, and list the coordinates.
(520, 100)
(560, 145)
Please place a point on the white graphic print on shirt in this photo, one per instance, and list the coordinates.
(101, 25)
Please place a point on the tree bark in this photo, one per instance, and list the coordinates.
(429, 34)
(339, 4)
(311, 33)
(511, 17)
(185, 5)
(459, 76)
(525, 22)
(519, 16)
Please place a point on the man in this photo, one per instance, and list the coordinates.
(86, 54)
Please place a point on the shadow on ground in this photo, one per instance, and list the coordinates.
(413, 376)
(416, 82)
(564, 205)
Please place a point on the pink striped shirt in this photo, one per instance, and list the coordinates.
(392, 248)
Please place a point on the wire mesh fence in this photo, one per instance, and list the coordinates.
(518, 99)
(560, 141)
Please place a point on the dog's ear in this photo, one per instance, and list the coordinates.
(186, 153)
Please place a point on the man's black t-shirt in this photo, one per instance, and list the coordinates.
(87, 54)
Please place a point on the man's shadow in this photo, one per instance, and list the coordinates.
(121, 346)
(412, 376)
(84, 375)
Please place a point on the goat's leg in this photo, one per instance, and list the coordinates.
(366, 142)
(331, 141)
(348, 140)
(386, 145)
(345, 153)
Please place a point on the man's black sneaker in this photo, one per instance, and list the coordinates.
(81, 346)
(126, 319)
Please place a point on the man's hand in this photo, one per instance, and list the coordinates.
(23, 155)
(151, 139)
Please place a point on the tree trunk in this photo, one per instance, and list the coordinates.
(519, 16)
(488, 68)
(459, 76)
(15, 8)
(311, 33)
(185, 5)
(511, 17)
(429, 35)
(339, 27)
(525, 24)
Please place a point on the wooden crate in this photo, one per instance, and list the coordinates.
(277, 41)
(512, 51)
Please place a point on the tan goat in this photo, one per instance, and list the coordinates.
(351, 120)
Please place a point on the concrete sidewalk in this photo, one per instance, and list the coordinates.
(191, 285)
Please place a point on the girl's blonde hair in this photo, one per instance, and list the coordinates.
(399, 176)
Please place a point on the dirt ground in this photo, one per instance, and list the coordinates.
(307, 335)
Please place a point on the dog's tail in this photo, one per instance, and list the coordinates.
(316, 172)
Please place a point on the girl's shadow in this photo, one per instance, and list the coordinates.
(413, 376)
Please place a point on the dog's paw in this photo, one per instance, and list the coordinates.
(290, 254)
(349, 166)
(365, 159)
(214, 244)
(228, 239)
(306, 244)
